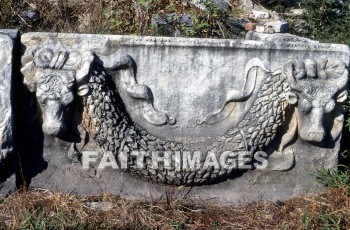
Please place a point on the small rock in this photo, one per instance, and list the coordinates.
(234, 23)
(246, 4)
(250, 26)
(104, 206)
(186, 20)
(299, 26)
(260, 29)
(260, 14)
(161, 27)
(297, 12)
(269, 30)
(277, 27)
(164, 25)
(157, 20)
(275, 16)
(222, 5)
(32, 15)
(242, 21)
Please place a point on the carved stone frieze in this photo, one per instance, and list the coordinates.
(265, 110)
(219, 119)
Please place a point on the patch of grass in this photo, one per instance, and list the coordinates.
(116, 17)
(335, 178)
(278, 5)
(42, 209)
(322, 212)
(327, 20)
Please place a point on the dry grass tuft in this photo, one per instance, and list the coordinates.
(42, 209)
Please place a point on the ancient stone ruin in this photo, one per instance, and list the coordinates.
(217, 120)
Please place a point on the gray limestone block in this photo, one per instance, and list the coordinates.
(136, 116)
(8, 44)
(165, 25)
(214, 4)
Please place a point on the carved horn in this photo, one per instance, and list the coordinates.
(343, 80)
(117, 60)
(29, 72)
(294, 70)
(82, 73)
(337, 70)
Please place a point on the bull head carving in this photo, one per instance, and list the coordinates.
(315, 88)
(56, 72)
(52, 75)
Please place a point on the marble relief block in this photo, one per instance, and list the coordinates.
(226, 120)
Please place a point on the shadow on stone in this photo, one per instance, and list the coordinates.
(30, 142)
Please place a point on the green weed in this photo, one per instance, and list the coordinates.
(335, 178)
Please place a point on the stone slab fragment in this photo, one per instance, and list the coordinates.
(213, 4)
(277, 26)
(180, 94)
(297, 12)
(8, 44)
(260, 14)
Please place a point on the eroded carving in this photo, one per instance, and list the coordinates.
(302, 96)
(316, 86)
(52, 76)
(6, 100)
(6, 138)
(254, 69)
(136, 91)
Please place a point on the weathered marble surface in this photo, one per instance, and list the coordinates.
(8, 40)
(182, 94)
(276, 37)
(183, 74)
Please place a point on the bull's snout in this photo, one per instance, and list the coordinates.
(312, 134)
(54, 129)
(311, 126)
(316, 136)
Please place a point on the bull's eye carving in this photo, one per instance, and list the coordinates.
(291, 98)
(329, 107)
(305, 106)
(43, 57)
(42, 100)
(67, 98)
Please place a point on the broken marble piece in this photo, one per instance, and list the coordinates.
(276, 26)
(257, 14)
(8, 43)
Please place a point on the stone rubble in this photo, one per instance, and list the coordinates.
(277, 27)
(260, 14)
